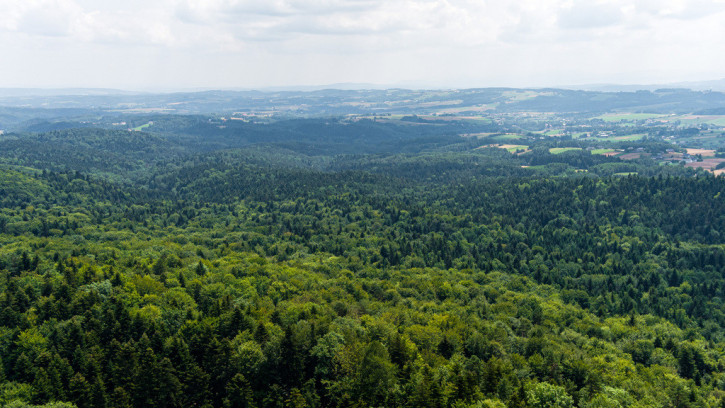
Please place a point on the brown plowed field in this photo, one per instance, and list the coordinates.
(707, 164)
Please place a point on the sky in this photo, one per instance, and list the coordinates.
(225, 44)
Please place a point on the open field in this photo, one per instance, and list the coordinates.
(559, 150)
(702, 152)
(605, 152)
(718, 122)
(456, 118)
(142, 127)
(145, 110)
(689, 120)
(522, 95)
(628, 116)
(476, 135)
(630, 156)
(509, 136)
(475, 108)
(474, 118)
(512, 148)
(707, 164)
(705, 140)
(638, 136)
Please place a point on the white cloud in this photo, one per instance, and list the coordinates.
(590, 15)
(39, 17)
(680, 9)
(243, 42)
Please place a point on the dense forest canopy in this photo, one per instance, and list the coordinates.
(358, 262)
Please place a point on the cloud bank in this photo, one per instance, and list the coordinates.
(253, 43)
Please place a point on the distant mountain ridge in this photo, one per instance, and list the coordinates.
(664, 99)
(24, 92)
(717, 85)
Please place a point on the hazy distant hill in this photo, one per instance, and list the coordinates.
(712, 85)
(337, 102)
(24, 92)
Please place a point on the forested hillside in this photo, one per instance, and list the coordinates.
(335, 264)
(41, 107)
